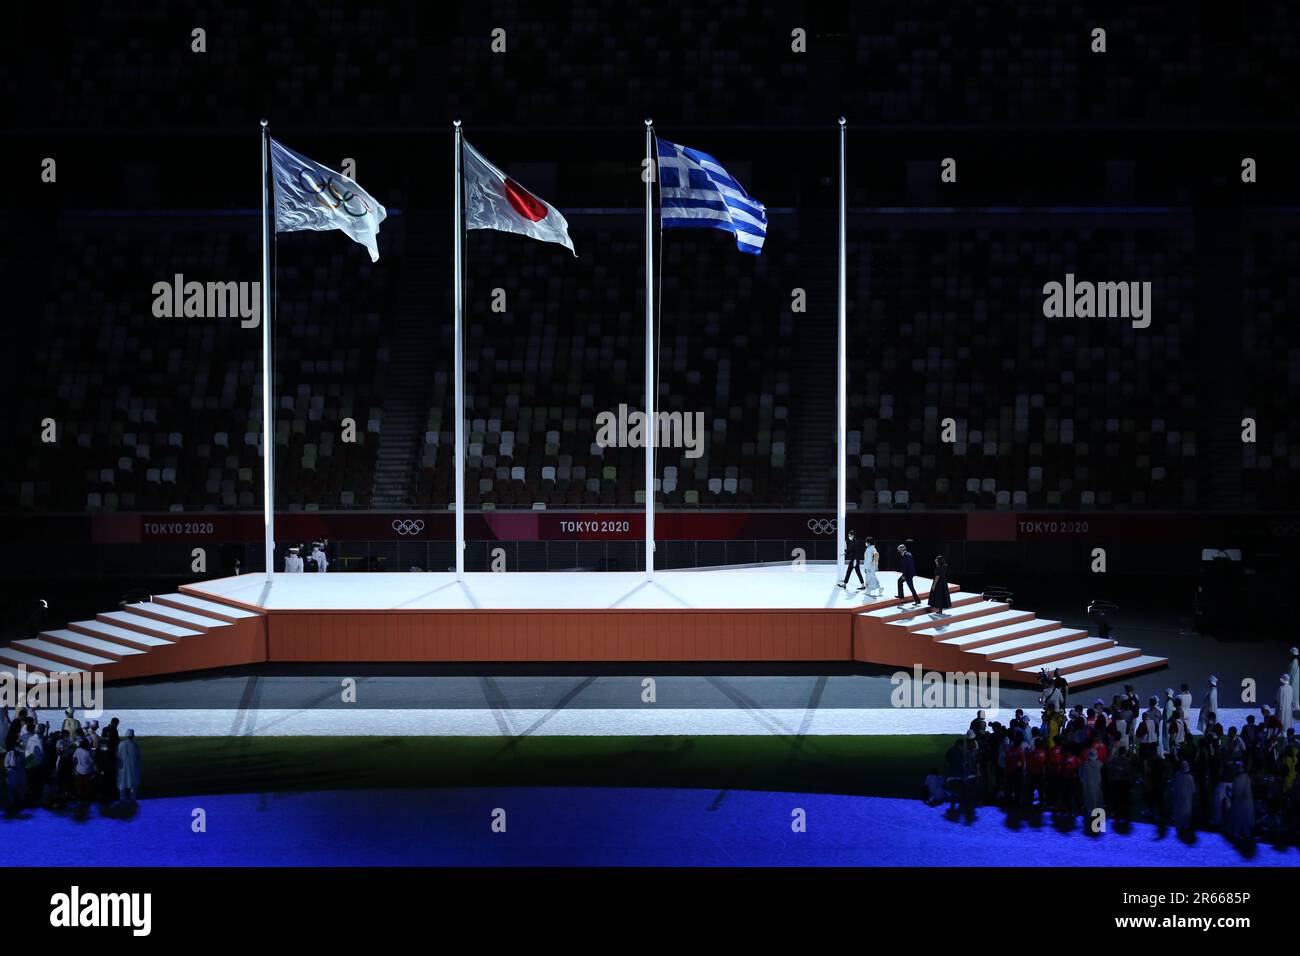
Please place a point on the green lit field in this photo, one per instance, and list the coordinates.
(879, 766)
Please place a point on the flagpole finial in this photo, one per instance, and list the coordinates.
(456, 123)
(649, 121)
(263, 124)
(842, 121)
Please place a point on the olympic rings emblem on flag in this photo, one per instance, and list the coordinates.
(308, 181)
(408, 526)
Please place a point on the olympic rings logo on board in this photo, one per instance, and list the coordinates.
(408, 526)
(821, 525)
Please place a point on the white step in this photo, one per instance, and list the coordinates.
(203, 606)
(965, 613)
(956, 627)
(1095, 657)
(179, 616)
(1034, 641)
(37, 663)
(94, 643)
(1056, 652)
(1142, 662)
(123, 634)
(37, 646)
(995, 635)
(885, 613)
(162, 627)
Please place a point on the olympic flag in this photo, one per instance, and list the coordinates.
(311, 196)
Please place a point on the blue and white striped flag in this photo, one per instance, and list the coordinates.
(695, 192)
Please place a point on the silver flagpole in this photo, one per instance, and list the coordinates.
(268, 422)
(459, 256)
(842, 410)
(651, 431)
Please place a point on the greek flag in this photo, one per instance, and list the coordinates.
(695, 192)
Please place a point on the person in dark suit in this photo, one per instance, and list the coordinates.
(1098, 614)
(853, 553)
(36, 619)
(940, 600)
(908, 572)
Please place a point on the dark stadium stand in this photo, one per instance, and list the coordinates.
(1271, 353)
(570, 346)
(162, 415)
(921, 61)
(1081, 413)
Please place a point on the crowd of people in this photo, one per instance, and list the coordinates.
(1149, 763)
(73, 765)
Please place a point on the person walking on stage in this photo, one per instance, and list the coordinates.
(853, 552)
(940, 599)
(907, 573)
(871, 564)
(1097, 613)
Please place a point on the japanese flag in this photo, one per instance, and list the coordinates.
(495, 201)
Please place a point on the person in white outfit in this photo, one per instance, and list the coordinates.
(128, 767)
(1239, 823)
(1184, 700)
(1165, 717)
(1294, 673)
(1209, 705)
(1120, 731)
(318, 555)
(1177, 732)
(871, 564)
(1285, 703)
(293, 562)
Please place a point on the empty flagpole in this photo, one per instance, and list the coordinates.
(841, 400)
(268, 423)
(649, 176)
(459, 255)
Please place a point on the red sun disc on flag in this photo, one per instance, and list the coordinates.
(524, 202)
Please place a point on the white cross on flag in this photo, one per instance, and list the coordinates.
(495, 201)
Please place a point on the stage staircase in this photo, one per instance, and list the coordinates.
(170, 633)
(186, 631)
(981, 635)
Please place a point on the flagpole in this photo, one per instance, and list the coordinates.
(458, 249)
(650, 430)
(268, 423)
(842, 438)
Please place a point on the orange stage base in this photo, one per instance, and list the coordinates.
(349, 618)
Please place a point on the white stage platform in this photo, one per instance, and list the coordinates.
(759, 588)
(773, 613)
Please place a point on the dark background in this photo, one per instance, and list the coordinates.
(1121, 166)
